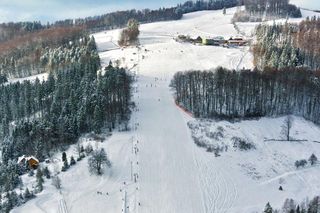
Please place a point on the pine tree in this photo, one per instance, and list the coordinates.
(72, 161)
(7, 150)
(65, 166)
(313, 159)
(27, 194)
(64, 156)
(46, 172)
(40, 180)
(268, 208)
(98, 119)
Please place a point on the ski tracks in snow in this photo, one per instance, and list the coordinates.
(218, 188)
(63, 206)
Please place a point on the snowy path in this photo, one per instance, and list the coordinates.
(167, 165)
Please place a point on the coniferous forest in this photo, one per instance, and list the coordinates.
(38, 118)
(291, 206)
(273, 7)
(113, 20)
(43, 51)
(227, 94)
(288, 45)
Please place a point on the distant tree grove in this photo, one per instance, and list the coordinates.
(113, 20)
(288, 45)
(271, 7)
(42, 51)
(249, 93)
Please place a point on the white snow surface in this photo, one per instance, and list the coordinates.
(161, 55)
(41, 77)
(174, 175)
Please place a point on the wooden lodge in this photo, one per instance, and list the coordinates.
(31, 161)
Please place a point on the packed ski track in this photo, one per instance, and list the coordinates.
(156, 166)
(174, 174)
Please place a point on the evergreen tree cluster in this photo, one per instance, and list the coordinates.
(230, 94)
(119, 19)
(193, 6)
(12, 199)
(288, 45)
(11, 30)
(42, 51)
(9, 176)
(42, 116)
(313, 160)
(113, 20)
(290, 206)
(3, 79)
(273, 8)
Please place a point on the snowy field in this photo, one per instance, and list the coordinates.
(161, 55)
(175, 175)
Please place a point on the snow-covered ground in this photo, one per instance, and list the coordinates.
(174, 175)
(271, 163)
(41, 77)
(161, 55)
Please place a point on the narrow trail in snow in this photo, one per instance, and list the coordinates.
(63, 206)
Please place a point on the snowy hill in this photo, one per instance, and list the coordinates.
(160, 51)
(174, 175)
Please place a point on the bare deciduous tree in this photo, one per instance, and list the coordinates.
(97, 161)
(286, 127)
(56, 182)
(130, 34)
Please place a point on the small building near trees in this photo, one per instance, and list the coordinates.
(237, 42)
(216, 41)
(32, 161)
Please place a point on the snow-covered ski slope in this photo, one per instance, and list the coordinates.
(160, 54)
(173, 174)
